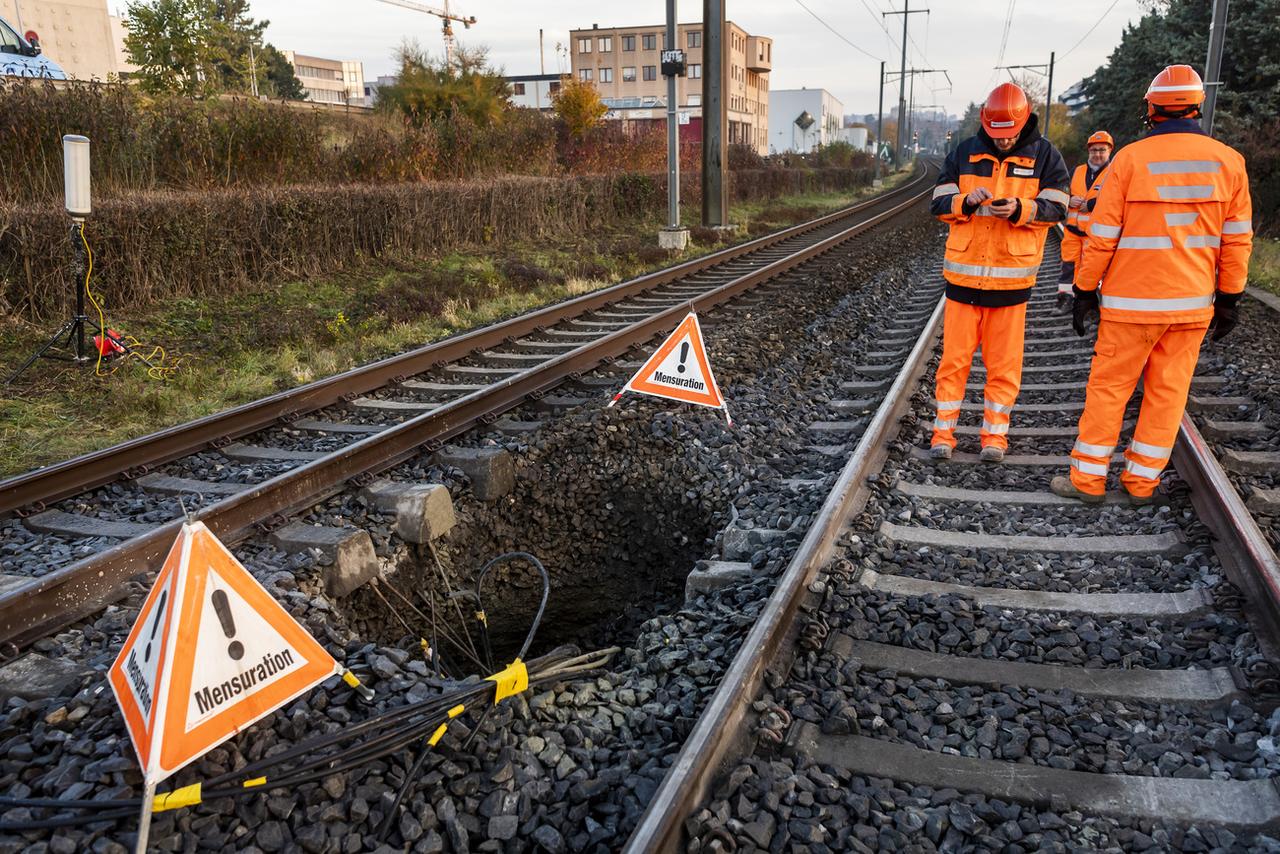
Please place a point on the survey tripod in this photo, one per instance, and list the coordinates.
(68, 344)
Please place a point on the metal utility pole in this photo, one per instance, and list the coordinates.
(906, 13)
(911, 110)
(1043, 70)
(673, 236)
(880, 124)
(902, 76)
(715, 144)
(1213, 63)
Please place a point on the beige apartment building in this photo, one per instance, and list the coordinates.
(624, 63)
(76, 34)
(329, 81)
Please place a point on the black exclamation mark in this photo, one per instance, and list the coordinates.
(223, 609)
(164, 596)
(684, 354)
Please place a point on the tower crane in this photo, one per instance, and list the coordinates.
(446, 19)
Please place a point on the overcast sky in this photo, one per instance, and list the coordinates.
(963, 36)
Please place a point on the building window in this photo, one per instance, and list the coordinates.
(628, 74)
(695, 100)
(584, 45)
(584, 73)
(554, 87)
(606, 75)
(517, 88)
(695, 71)
(651, 72)
(628, 42)
(649, 41)
(695, 38)
(606, 44)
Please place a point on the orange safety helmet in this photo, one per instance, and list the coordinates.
(1006, 111)
(1100, 137)
(1175, 92)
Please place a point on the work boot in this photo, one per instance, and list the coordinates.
(940, 452)
(1063, 487)
(1140, 500)
(991, 454)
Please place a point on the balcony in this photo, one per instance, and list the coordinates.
(759, 54)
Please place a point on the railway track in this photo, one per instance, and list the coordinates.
(955, 656)
(311, 442)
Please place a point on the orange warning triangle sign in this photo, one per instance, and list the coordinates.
(210, 654)
(679, 370)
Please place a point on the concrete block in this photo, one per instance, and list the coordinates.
(1249, 462)
(492, 471)
(715, 575)
(423, 511)
(741, 543)
(676, 239)
(36, 677)
(1264, 502)
(1222, 431)
(351, 549)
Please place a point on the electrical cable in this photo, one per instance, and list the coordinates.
(1096, 23)
(836, 32)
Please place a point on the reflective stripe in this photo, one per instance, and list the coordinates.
(1237, 226)
(948, 404)
(1180, 219)
(1088, 468)
(945, 190)
(1082, 218)
(997, 407)
(1190, 87)
(1195, 191)
(994, 429)
(1183, 167)
(1053, 195)
(1007, 124)
(1202, 241)
(1093, 450)
(1153, 451)
(1173, 304)
(944, 423)
(991, 272)
(1064, 288)
(1145, 243)
(1097, 229)
(1142, 471)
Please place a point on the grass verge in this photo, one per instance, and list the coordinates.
(235, 349)
(1264, 264)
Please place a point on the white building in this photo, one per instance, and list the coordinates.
(802, 120)
(1075, 98)
(533, 90)
(857, 137)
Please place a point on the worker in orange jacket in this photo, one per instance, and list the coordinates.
(1000, 191)
(1079, 210)
(1169, 241)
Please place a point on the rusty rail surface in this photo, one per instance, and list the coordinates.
(34, 609)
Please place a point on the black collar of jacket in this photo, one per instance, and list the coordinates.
(1177, 126)
(1026, 140)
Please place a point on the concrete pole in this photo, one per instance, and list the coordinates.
(673, 132)
(1213, 63)
(879, 124)
(1048, 99)
(715, 144)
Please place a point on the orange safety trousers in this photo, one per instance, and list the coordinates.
(999, 332)
(1164, 355)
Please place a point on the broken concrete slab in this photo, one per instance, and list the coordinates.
(741, 543)
(715, 575)
(423, 511)
(492, 470)
(354, 561)
(37, 677)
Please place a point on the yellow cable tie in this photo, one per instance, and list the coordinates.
(480, 615)
(178, 798)
(509, 681)
(256, 781)
(437, 735)
(351, 679)
(457, 710)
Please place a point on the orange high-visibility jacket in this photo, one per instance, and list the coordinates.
(1171, 225)
(1084, 182)
(992, 261)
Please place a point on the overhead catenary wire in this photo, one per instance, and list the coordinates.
(1089, 32)
(836, 32)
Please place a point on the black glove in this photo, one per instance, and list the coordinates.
(1084, 303)
(1226, 314)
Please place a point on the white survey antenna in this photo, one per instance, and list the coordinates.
(75, 174)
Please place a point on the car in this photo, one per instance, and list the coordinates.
(20, 57)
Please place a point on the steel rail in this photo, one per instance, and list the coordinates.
(136, 456)
(28, 612)
(1250, 562)
(720, 735)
